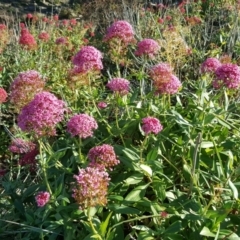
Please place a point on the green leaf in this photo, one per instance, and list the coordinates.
(206, 232)
(174, 228)
(224, 123)
(233, 188)
(115, 197)
(206, 144)
(137, 193)
(19, 206)
(146, 169)
(152, 155)
(131, 154)
(141, 228)
(180, 120)
(209, 118)
(123, 209)
(136, 178)
(104, 225)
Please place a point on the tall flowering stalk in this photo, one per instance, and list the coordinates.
(120, 88)
(150, 125)
(87, 66)
(83, 126)
(118, 36)
(147, 49)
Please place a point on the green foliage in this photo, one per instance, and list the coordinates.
(182, 183)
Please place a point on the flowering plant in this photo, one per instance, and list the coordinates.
(127, 130)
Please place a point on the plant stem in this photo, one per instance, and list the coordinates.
(92, 226)
(43, 165)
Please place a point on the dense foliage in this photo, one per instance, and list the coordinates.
(126, 132)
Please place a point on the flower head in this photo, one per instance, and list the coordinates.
(20, 146)
(88, 59)
(151, 125)
(29, 16)
(147, 47)
(91, 187)
(44, 36)
(81, 125)
(227, 75)
(3, 95)
(27, 40)
(172, 86)
(210, 65)
(120, 30)
(102, 105)
(42, 198)
(42, 114)
(61, 41)
(24, 87)
(103, 155)
(73, 22)
(160, 72)
(163, 79)
(119, 85)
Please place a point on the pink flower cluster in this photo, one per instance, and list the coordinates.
(91, 187)
(165, 82)
(3, 27)
(102, 105)
(44, 36)
(121, 30)
(147, 47)
(210, 65)
(24, 87)
(119, 85)
(103, 156)
(160, 72)
(19, 145)
(42, 198)
(61, 41)
(3, 95)
(42, 114)
(27, 40)
(151, 125)
(88, 59)
(172, 86)
(227, 75)
(82, 125)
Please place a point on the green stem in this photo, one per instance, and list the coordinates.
(43, 165)
(92, 226)
(143, 147)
